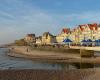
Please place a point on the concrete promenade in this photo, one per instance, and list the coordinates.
(85, 48)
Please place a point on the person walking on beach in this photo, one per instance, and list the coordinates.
(12, 48)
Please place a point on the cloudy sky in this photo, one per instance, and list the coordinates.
(19, 17)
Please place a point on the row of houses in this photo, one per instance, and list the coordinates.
(76, 35)
(85, 32)
(46, 38)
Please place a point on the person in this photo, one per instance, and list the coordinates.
(12, 48)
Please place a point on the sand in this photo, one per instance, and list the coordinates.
(29, 74)
(19, 51)
(85, 74)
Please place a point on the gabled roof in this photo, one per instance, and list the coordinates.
(65, 30)
(47, 34)
(81, 27)
(93, 26)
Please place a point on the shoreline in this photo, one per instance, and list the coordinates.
(33, 74)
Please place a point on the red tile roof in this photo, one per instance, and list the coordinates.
(82, 27)
(93, 26)
(65, 30)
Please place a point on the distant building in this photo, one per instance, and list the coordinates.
(76, 35)
(39, 40)
(30, 38)
(48, 38)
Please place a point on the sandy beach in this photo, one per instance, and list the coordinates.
(19, 51)
(38, 74)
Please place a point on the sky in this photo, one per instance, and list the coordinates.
(19, 17)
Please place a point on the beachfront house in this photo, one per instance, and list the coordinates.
(30, 38)
(72, 35)
(85, 32)
(39, 40)
(65, 33)
(48, 38)
(78, 34)
(98, 33)
(93, 29)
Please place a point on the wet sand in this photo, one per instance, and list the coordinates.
(85, 74)
(30, 74)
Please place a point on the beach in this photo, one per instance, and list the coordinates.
(19, 51)
(23, 73)
(30, 74)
